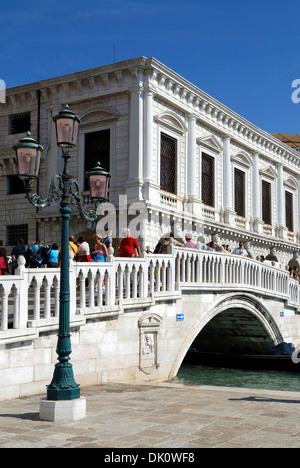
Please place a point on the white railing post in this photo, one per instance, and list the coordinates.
(23, 293)
(4, 309)
(37, 298)
(151, 279)
(16, 318)
(47, 298)
(120, 285)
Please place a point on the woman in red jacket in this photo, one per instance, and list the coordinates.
(3, 260)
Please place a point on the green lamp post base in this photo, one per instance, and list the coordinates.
(63, 394)
(63, 385)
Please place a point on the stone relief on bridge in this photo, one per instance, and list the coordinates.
(149, 326)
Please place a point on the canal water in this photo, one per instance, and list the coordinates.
(264, 379)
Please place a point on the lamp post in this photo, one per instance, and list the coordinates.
(65, 188)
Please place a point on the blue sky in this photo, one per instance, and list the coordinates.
(245, 54)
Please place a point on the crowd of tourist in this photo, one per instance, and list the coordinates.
(49, 255)
(162, 246)
(294, 273)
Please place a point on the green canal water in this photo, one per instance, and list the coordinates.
(268, 380)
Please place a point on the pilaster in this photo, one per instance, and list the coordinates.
(229, 214)
(134, 184)
(151, 189)
(256, 196)
(282, 229)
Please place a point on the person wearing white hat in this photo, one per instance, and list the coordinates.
(188, 238)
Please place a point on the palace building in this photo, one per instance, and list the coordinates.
(190, 162)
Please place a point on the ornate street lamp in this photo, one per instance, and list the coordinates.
(28, 153)
(66, 189)
(66, 124)
(99, 180)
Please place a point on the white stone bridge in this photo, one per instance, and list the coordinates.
(135, 319)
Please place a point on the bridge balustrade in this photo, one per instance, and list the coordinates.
(220, 271)
(30, 299)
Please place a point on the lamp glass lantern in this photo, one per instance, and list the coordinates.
(66, 123)
(99, 180)
(28, 153)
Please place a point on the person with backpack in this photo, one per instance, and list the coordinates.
(72, 248)
(107, 240)
(36, 247)
(53, 255)
(17, 251)
(38, 250)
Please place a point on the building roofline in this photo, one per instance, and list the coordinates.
(233, 119)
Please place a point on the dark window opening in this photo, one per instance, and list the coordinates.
(97, 149)
(239, 193)
(168, 164)
(289, 208)
(19, 123)
(16, 232)
(208, 180)
(14, 185)
(266, 203)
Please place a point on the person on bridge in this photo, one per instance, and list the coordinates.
(3, 260)
(83, 254)
(19, 250)
(240, 250)
(72, 248)
(164, 247)
(53, 255)
(101, 252)
(129, 246)
(107, 239)
(36, 247)
(188, 240)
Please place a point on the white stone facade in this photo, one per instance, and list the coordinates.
(138, 101)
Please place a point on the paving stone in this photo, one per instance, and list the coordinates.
(160, 416)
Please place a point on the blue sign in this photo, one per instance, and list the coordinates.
(281, 314)
(180, 317)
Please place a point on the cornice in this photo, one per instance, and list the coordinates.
(171, 86)
(164, 83)
(91, 80)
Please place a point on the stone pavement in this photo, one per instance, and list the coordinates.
(160, 416)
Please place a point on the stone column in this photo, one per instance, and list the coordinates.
(191, 159)
(151, 190)
(134, 182)
(148, 163)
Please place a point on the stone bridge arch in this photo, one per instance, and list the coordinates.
(247, 314)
